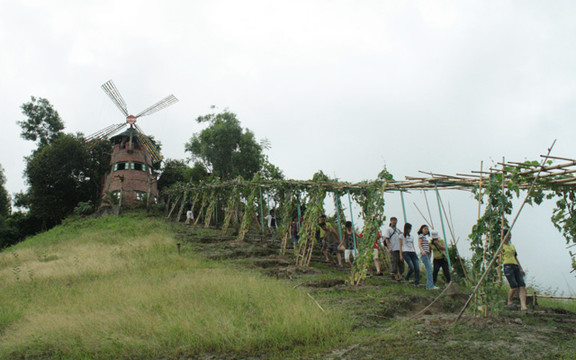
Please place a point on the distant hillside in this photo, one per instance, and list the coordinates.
(115, 287)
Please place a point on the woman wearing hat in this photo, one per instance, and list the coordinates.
(440, 260)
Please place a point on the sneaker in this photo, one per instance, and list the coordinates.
(434, 288)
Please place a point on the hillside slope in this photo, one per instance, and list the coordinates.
(116, 287)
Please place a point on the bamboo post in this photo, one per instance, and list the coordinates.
(443, 229)
(179, 216)
(403, 206)
(338, 217)
(420, 212)
(216, 213)
(479, 213)
(498, 268)
(428, 207)
(173, 207)
(352, 220)
(509, 230)
(194, 203)
(454, 241)
(261, 211)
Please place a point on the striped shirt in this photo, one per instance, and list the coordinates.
(425, 242)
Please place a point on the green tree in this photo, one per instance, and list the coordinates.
(177, 171)
(5, 201)
(7, 232)
(225, 148)
(269, 171)
(61, 174)
(43, 122)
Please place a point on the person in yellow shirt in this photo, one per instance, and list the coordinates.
(513, 272)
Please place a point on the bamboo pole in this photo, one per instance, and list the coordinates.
(338, 217)
(443, 229)
(480, 195)
(498, 268)
(502, 242)
(420, 212)
(173, 207)
(179, 216)
(352, 220)
(261, 212)
(454, 243)
(428, 207)
(403, 206)
(556, 297)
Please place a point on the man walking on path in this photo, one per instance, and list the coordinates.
(391, 237)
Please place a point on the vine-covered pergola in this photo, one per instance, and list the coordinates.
(245, 202)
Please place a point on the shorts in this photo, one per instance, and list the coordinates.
(375, 252)
(514, 276)
(331, 248)
(348, 253)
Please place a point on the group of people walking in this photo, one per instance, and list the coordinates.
(403, 247)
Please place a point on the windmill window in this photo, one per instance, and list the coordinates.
(121, 166)
(140, 195)
(116, 195)
(138, 166)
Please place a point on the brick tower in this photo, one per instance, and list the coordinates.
(130, 179)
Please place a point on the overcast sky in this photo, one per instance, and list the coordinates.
(341, 86)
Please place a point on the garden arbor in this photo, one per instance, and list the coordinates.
(245, 203)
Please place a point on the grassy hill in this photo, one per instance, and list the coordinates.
(116, 287)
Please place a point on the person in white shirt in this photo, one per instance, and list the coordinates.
(408, 254)
(391, 237)
(271, 219)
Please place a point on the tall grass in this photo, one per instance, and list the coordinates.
(115, 287)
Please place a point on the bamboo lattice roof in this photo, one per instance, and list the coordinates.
(559, 171)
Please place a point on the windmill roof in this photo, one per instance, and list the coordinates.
(126, 133)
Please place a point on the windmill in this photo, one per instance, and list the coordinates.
(130, 175)
(111, 90)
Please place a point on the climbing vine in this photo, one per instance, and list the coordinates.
(249, 216)
(372, 203)
(564, 218)
(314, 208)
(232, 206)
(486, 237)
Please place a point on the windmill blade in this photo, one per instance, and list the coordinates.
(148, 145)
(98, 136)
(167, 101)
(110, 89)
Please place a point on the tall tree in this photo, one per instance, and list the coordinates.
(63, 173)
(43, 122)
(177, 171)
(225, 148)
(5, 201)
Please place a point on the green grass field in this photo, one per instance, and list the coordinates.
(115, 287)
